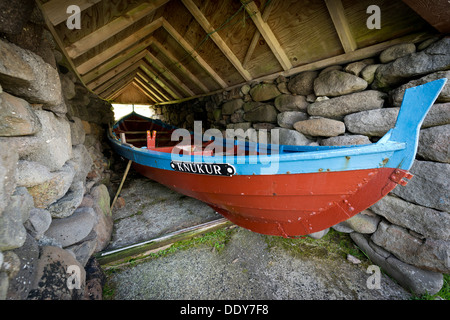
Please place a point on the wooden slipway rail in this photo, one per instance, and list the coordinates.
(142, 249)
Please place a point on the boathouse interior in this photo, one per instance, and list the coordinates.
(166, 51)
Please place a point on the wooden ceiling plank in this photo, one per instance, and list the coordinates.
(159, 80)
(195, 55)
(201, 19)
(137, 86)
(118, 85)
(173, 78)
(56, 10)
(124, 56)
(256, 36)
(436, 13)
(167, 77)
(117, 78)
(336, 10)
(150, 91)
(119, 47)
(123, 66)
(151, 83)
(120, 91)
(267, 34)
(112, 28)
(173, 60)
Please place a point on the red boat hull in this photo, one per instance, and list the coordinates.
(286, 205)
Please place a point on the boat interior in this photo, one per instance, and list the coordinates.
(142, 133)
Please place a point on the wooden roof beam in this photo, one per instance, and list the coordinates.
(145, 66)
(122, 57)
(124, 81)
(137, 86)
(152, 60)
(336, 10)
(120, 47)
(120, 91)
(152, 84)
(256, 36)
(201, 19)
(267, 34)
(186, 46)
(123, 66)
(116, 78)
(436, 13)
(151, 92)
(112, 28)
(56, 10)
(139, 78)
(180, 66)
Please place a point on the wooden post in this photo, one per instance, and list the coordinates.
(121, 185)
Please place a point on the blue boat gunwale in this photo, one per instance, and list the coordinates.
(401, 140)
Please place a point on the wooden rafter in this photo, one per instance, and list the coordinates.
(116, 78)
(136, 85)
(120, 91)
(267, 34)
(120, 47)
(152, 60)
(112, 28)
(158, 90)
(159, 80)
(149, 90)
(195, 55)
(111, 73)
(256, 36)
(118, 85)
(120, 58)
(336, 10)
(180, 66)
(201, 19)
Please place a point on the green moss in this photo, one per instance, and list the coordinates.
(333, 245)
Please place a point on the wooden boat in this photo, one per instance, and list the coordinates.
(280, 190)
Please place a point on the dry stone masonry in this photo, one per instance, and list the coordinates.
(407, 232)
(54, 200)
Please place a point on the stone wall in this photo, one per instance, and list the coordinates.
(54, 177)
(408, 232)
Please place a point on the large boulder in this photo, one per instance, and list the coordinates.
(25, 74)
(303, 83)
(444, 95)
(54, 143)
(289, 102)
(397, 51)
(337, 108)
(428, 254)
(430, 186)
(17, 117)
(263, 113)
(320, 127)
(264, 92)
(374, 122)
(413, 278)
(337, 83)
(52, 277)
(434, 144)
(425, 221)
(432, 59)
